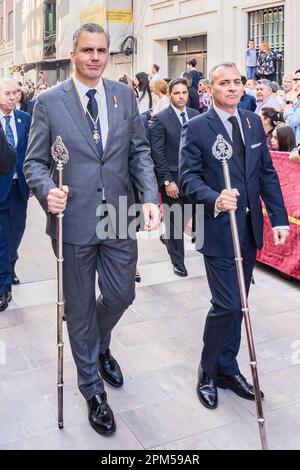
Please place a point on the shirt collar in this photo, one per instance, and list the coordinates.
(83, 89)
(178, 112)
(224, 116)
(9, 114)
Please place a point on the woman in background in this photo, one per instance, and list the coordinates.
(160, 89)
(265, 61)
(270, 119)
(283, 139)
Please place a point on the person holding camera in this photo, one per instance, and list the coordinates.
(292, 111)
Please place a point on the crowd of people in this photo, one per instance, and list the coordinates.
(156, 136)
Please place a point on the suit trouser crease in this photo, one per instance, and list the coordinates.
(222, 332)
(175, 226)
(90, 320)
(12, 226)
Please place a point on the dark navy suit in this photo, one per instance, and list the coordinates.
(7, 154)
(165, 132)
(13, 205)
(201, 179)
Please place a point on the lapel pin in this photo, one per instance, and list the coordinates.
(19, 120)
(116, 102)
(248, 122)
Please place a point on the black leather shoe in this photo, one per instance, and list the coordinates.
(14, 278)
(163, 241)
(238, 384)
(101, 417)
(207, 391)
(110, 369)
(180, 270)
(137, 276)
(5, 298)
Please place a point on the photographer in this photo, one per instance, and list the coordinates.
(292, 111)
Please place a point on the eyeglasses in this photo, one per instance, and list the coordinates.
(296, 79)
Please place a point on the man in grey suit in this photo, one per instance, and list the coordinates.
(100, 125)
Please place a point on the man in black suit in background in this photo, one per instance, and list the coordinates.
(7, 155)
(165, 132)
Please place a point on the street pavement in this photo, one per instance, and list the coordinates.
(158, 344)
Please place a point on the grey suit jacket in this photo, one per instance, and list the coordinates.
(59, 112)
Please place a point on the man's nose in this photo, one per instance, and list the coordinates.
(95, 54)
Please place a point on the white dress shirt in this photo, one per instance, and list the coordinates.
(224, 116)
(100, 97)
(179, 112)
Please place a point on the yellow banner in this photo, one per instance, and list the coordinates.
(119, 16)
(92, 15)
(292, 220)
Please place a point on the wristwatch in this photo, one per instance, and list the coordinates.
(166, 183)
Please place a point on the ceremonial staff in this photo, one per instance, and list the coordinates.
(222, 151)
(61, 156)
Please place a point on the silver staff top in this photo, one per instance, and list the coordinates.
(222, 150)
(59, 151)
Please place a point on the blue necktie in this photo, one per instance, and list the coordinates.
(93, 110)
(183, 118)
(9, 132)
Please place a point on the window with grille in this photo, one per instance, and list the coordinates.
(268, 24)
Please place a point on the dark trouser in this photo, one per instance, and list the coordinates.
(12, 227)
(175, 225)
(222, 333)
(90, 321)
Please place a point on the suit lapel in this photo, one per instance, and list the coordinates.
(19, 127)
(112, 112)
(75, 108)
(174, 119)
(219, 128)
(247, 135)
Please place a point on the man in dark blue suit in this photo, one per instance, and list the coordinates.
(165, 134)
(201, 178)
(14, 191)
(7, 154)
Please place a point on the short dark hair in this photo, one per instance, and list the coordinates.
(89, 28)
(297, 71)
(156, 67)
(188, 77)
(244, 80)
(274, 116)
(192, 62)
(224, 64)
(177, 81)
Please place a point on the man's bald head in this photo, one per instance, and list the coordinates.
(8, 95)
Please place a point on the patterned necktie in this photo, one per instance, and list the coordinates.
(93, 110)
(9, 132)
(183, 118)
(238, 143)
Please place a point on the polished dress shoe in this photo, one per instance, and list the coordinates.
(14, 278)
(180, 270)
(162, 239)
(137, 276)
(238, 384)
(5, 298)
(101, 417)
(110, 369)
(207, 391)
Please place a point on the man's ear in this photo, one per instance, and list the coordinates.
(72, 57)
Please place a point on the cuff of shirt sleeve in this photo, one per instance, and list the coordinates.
(281, 227)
